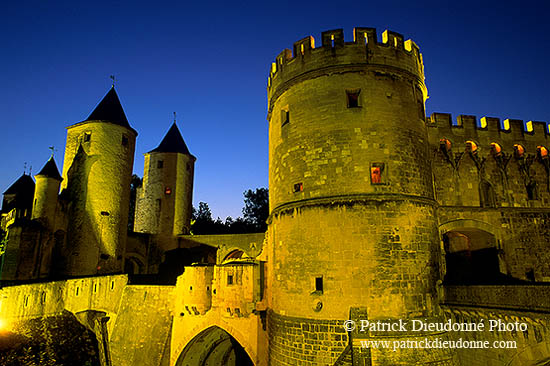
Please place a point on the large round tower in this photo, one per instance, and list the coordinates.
(352, 227)
(97, 170)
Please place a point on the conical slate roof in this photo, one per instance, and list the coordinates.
(109, 110)
(50, 170)
(172, 142)
(24, 184)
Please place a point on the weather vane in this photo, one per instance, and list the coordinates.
(52, 148)
(174, 117)
(25, 168)
(113, 79)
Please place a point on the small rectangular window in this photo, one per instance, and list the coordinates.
(160, 164)
(353, 98)
(124, 140)
(87, 137)
(298, 187)
(285, 117)
(229, 279)
(319, 284)
(377, 173)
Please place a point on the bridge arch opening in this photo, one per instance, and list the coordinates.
(214, 346)
(471, 257)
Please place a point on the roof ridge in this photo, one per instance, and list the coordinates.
(109, 109)
(172, 142)
(50, 170)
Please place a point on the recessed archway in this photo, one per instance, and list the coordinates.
(214, 346)
(532, 355)
(471, 257)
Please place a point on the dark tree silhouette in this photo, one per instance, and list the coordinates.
(202, 222)
(256, 208)
(255, 211)
(135, 183)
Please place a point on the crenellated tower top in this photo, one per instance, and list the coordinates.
(334, 53)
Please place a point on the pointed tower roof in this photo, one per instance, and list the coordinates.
(172, 142)
(50, 170)
(109, 110)
(24, 184)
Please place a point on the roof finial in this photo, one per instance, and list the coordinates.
(174, 117)
(113, 79)
(25, 168)
(52, 148)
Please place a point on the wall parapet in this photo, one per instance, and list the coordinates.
(50, 298)
(487, 128)
(536, 298)
(365, 50)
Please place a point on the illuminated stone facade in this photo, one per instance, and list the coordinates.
(377, 213)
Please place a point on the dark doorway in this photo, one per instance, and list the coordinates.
(214, 346)
(471, 257)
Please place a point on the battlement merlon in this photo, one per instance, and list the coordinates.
(364, 52)
(488, 130)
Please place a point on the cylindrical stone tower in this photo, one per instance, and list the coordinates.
(164, 202)
(352, 227)
(45, 194)
(97, 170)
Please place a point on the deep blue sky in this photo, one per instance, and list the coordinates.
(209, 61)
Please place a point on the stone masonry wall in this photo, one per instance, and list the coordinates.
(302, 341)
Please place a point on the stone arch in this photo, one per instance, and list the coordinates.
(215, 345)
(233, 253)
(133, 262)
(535, 355)
(96, 322)
(471, 252)
(469, 223)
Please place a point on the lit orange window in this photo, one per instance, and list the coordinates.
(471, 146)
(543, 152)
(519, 150)
(446, 144)
(497, 150)
(168, 190)
(376, 174)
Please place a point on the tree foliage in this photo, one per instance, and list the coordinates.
(135, 183)
(58, 340)
(256, 208)
(255, 213)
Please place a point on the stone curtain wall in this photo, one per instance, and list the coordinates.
(302, 341)
(140, 319)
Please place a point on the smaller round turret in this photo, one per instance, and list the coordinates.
(164, 203)
(46, 190)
